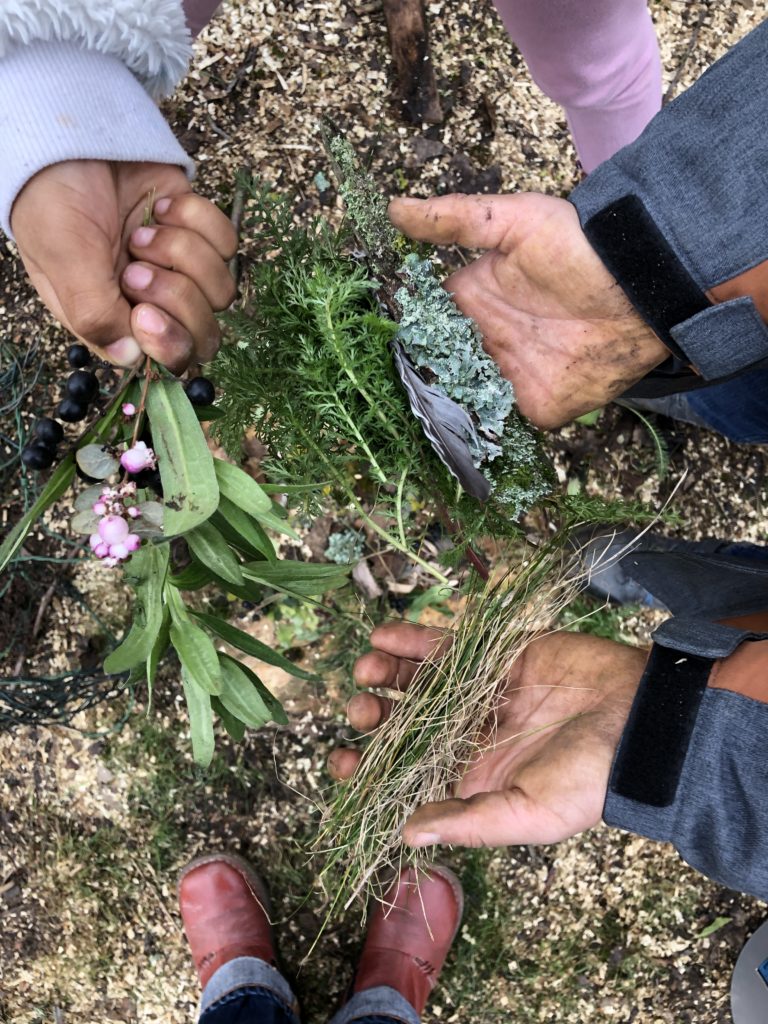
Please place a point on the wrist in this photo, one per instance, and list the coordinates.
(752, 284)
(745, 671)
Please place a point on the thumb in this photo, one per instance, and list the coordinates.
(75, 276)
(476, 222)
(500, 818)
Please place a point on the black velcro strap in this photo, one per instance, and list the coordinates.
(652, 751)
(627, 240)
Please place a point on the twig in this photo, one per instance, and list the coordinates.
(669, 94)
(236, 218)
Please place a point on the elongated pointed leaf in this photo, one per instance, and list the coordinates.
(250, 645)
(60, 480)
(191, 493)
(241, 697)
(200, 720)
(301, 579)
(156, 655)
(145, 572)
(242, 530)
(271, 522)
(194, 576)
(210, 548)
(234, 726)
(196, 652)
(274, 707)
(240, 488)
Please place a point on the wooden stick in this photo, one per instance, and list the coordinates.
(409, 43)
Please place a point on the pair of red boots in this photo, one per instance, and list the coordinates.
(224, 906)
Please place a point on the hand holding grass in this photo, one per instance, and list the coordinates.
(551, 315)
(122, 288)
(545, 776)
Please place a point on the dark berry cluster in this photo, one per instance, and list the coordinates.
(81, 388)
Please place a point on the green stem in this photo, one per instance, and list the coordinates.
(399, 500)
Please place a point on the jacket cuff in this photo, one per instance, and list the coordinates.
(692, 763)
(59, 102)
(150, 37)
(670, 222)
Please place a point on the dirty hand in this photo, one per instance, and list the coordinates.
(546, 775)
(556, 322)
(121, 288)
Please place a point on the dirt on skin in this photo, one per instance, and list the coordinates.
(95, 821)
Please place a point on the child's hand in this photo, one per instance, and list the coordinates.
(121, 288)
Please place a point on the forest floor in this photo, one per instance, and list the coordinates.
(97, 818)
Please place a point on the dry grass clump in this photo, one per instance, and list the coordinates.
(439, 725)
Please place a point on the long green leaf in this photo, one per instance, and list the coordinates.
(60, 480)
(192, 577)
(243, 695)
(242, 530)
(239, 487)
(194, 647)
(191, 493)
(53, 490)
(250, 645)
(274, 707)
(210, 548)
(272, 522)
(159, 648)
(200, 720)
(146, 573)
(234, 726)
(301, 579)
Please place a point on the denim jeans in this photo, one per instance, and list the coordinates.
(250, 991)
(737, 409)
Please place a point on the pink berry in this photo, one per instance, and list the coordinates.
(102, 550)
(94, 540)
(132, 542)
(133, 512)
(113, 529)
(137, 458)
(129, 409)
(118, 551)
(100, 509)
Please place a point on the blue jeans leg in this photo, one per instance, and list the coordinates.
(737, 409)
(248, 991)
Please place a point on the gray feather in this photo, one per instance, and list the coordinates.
(449, 427)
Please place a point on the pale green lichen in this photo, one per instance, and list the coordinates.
(345, 548)
(437, 335)
(366, 205)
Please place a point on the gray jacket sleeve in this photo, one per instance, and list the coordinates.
(685, 207)
(79, 80)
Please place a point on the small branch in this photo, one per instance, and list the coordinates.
(236, 219)
(409, 42)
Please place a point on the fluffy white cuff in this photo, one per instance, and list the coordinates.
(150, 37)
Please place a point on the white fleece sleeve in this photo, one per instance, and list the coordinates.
(59, 101)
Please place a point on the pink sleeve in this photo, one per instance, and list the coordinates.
(199, 13)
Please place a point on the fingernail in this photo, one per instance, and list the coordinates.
(143, 236)
(425, 839)
(151, 321)
(163, 205)
(125, 351)
(136, 275)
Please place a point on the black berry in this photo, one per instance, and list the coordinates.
(71, 411)
(78, 356)
(37, 456)
(200, 391)
(148, 478)
(82, 385)
(49, 432)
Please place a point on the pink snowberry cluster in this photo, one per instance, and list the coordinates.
(137, 458)
(113, 542)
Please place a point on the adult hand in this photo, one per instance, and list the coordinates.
(122, 288)
(556, 322)
(546, 775)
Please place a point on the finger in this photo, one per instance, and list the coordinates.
(501, 818)
(409, 640)
(476, 222)
(343, 762)
(162, 338)
(168, 297)
(366, 712)
(200, 215)
(379, 669)
(187, 253)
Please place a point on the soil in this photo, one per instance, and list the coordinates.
(98, 816)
